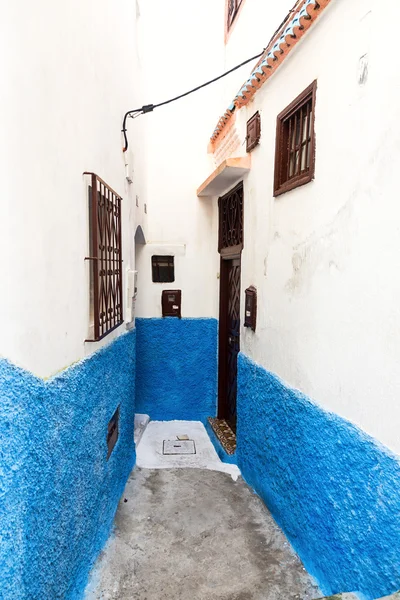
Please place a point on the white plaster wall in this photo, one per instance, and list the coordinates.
(177, 57)
(249, 35)
(325, 257)
(70, 70)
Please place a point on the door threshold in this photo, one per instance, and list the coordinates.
(224, 433)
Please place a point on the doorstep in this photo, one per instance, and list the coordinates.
(224, 434)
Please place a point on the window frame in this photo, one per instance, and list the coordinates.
(168, 258)
(282, 150)
(230, 22)
(105, 249)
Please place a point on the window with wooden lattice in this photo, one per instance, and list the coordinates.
(232, 11)
(295, 143)
(105, 247)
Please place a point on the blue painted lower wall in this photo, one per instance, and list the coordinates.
(58, 493)
(176, 376)
(333, 489)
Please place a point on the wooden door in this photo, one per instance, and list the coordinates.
(229, 339)
(230, 247)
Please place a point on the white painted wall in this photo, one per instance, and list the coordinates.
(325, 258)
(70, 71)
(249, 35)
(181, 48)
(190, 51)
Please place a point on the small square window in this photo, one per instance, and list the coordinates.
(295, 143)
(163, 269)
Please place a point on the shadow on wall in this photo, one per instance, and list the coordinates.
(334, 490)
(176, 374)
(58, 492)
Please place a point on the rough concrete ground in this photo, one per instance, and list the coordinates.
(197, 535)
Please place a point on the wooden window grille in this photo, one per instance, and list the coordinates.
(231, 220)
(253, 132)
(106, 309)
(233, 9)
(163, 270)
(295, 143)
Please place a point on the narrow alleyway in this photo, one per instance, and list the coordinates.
(197, 534)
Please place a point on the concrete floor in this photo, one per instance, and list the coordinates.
(197, 535)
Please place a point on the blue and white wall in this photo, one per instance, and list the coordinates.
(78, 93)
(177, 359)
(70, 73)
(333, 489)
(324, 259)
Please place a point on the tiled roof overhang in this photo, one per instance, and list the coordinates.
(300, 19)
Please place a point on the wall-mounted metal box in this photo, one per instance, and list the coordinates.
(250, 315)
(171, 301)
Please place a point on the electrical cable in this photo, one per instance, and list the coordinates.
(150, 107)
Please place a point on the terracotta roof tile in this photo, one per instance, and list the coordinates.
(300, 19)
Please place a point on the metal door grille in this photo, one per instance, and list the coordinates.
(106, 257)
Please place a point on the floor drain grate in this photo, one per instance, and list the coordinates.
(179, 447)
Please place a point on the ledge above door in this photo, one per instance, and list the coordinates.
(225, 176)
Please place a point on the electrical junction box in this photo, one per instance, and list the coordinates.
(171, 301)
(250, 315)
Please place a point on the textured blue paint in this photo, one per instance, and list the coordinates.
(334, 490)
(230, 459)
(176, 375)
(58, 494)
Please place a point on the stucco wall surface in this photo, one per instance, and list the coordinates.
(177, 136)
(176, 368)
(78, 64)
(325, 257)
(58, 492)
(334, 490)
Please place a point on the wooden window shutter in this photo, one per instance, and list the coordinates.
(253, 132)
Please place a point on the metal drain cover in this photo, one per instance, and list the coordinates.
(179, 447)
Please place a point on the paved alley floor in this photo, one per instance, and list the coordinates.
(198, 535)
(150, 450)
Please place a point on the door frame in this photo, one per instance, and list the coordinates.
(227, 253)
(226, 257)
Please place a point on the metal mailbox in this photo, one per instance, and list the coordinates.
(171, 301)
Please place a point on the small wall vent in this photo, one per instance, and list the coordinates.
(113, 432)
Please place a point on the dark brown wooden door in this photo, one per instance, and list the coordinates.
(230, 247)
(233, 341)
